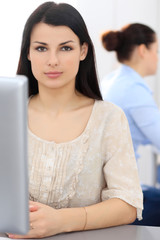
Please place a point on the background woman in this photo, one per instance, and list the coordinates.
(136, 47)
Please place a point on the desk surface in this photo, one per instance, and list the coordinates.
(127, 232)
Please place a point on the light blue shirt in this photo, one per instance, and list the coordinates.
(127, 89)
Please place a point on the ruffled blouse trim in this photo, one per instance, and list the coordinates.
(63, 200)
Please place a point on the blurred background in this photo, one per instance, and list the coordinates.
(99, 16)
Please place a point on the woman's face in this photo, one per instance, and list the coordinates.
(152, 58)
(55, 53)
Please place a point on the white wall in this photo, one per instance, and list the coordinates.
(103, 15)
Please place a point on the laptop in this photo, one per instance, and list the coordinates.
(14, 196)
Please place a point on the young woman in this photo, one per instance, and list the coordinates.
(136, 46)
(83, 173)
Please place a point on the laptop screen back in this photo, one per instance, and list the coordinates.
(14, 213)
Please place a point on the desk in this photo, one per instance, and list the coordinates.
(126, 232)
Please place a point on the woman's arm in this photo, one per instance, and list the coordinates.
(46, 221)
(145, 114)
(147, 119)
(108, 213)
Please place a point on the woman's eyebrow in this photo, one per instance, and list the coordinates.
(66, 42)
(40, 43)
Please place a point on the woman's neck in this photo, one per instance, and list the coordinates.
(136, 62)
(57, 100)
(136, 66)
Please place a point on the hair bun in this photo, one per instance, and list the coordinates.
(112, 40)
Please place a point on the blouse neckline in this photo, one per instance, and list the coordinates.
(75, 139)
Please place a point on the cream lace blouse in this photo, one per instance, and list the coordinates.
(94, 167)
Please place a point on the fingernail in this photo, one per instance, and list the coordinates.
(10, 235)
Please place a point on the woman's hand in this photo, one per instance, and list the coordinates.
(44, 221)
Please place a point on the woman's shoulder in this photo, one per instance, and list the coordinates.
(108, 107)
(107, 111)
(109, 117)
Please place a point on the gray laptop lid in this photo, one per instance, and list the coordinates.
(13, 155)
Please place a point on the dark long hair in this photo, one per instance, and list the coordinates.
(61, 15)
(125, 40)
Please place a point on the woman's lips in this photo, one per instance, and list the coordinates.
(53, 74)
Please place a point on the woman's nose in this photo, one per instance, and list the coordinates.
(53, 59)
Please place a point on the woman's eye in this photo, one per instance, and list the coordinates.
(41, 49)
(66, 48)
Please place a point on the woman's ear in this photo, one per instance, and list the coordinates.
(84, 51)
(142, 50)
